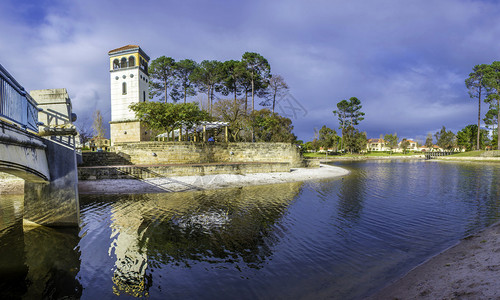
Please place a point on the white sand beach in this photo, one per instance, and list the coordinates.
(194, 183)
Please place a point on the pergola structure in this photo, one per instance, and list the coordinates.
(202, 127)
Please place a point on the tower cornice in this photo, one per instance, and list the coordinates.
(128, 50)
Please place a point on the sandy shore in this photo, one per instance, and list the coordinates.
(468, 270)
(196, 183)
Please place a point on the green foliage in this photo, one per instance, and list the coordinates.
(445, 139)
(269, 127)
(492, 118)
(466, 137)
(183, 87)
(228, 110)
(258, 70)
(161, 116)
(161, 74)
(391, 140)
(349, 114)
(207, 76)
(328, 138)
(429, 143)
(232, 74)
(354, 141)
(308, 146)
(404, 145)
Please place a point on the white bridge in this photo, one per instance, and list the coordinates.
(45, 159)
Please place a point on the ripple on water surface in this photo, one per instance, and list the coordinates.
(340, 238)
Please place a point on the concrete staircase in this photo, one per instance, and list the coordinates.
(96, 159)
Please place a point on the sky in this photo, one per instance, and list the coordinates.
(405, 60)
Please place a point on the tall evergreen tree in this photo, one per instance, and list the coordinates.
(208, 76)
(476, 84)
(258, 71)
(161, 74)
(492, 79)
(184, 87)
(349, 114)
(232, 74)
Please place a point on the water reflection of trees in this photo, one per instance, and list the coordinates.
(351, 196)
(237, 227)
(36, 262)
(480, 186)
(53, 263)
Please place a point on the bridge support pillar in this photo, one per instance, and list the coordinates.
(55, 203)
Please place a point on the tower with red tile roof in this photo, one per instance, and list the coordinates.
(128, 68)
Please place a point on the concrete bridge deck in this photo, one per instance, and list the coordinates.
(47, 164)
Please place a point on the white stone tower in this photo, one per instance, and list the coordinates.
(128, 68)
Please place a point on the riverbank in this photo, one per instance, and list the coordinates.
(363, 157)
(468, 270)
(196, 183)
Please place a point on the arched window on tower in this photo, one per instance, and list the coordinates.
(124, 88)
(131, 61)
(116, 64)
(124, 62)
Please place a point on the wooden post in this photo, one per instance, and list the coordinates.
(204, 133)
(180, 133)
(226, 132)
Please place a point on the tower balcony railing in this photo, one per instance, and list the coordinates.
(16, 105)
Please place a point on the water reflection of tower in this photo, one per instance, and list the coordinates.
(131, 261)
(235, 226)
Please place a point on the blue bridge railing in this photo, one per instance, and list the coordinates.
(15, 104)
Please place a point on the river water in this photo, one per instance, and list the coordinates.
(338, 239)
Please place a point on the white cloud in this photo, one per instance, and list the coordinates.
(406, 62)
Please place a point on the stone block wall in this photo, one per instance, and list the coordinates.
(129, 131)
(141, 172)
(151, 153)
(92, 159)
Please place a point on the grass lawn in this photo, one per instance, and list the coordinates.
(469, 154)
(371, 154)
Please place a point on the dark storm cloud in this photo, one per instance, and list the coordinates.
(406, 60)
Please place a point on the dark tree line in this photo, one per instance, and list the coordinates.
(240, 81)
(247, 78)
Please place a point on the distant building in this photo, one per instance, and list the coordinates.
(98, 144)
(412, 145)
(376, 145)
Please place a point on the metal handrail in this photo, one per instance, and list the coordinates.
(16, 105)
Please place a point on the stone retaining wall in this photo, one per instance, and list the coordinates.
(192, 153)
(93, 159)
(144, 172)
(493, 153)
